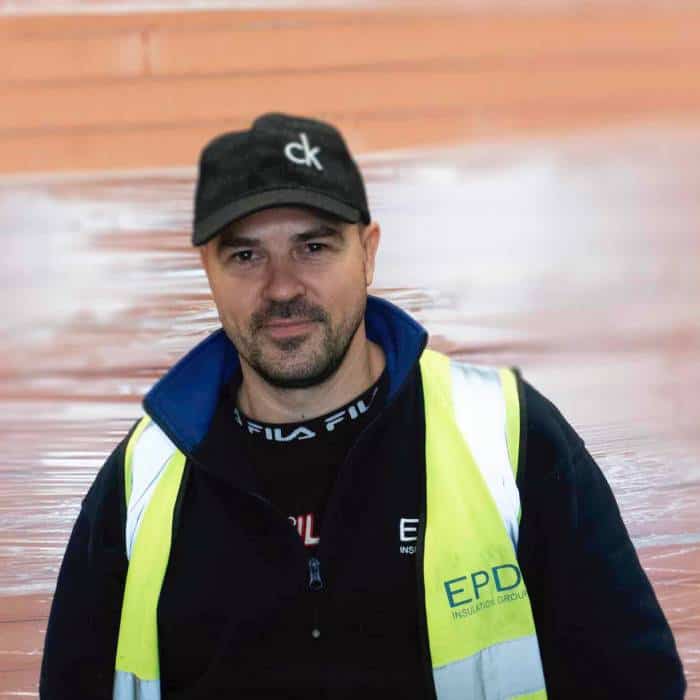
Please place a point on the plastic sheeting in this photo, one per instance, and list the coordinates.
(578, 261)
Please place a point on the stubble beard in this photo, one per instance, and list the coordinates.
(293, 366)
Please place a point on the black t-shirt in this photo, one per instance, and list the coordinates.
(296, 463)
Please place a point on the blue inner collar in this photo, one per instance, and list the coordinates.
(183, 400)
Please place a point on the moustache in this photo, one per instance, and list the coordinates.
(285, 311)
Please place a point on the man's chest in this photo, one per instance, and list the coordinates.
(239, 568)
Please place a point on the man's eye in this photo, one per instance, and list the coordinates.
(315, 247)
(242, 256)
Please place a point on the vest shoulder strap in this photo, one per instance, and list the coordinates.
(148, 453)
(153, 469)
(484, 401)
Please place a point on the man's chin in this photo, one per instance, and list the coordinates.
(294, 380)
(295, 372)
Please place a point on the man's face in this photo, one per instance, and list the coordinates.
(290, 286)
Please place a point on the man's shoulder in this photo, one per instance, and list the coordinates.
(109, 480)
(551, 441)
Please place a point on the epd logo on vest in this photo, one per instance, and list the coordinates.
(499, 579)
(302, 153)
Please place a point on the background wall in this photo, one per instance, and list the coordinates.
(142, 90)
(535, 171)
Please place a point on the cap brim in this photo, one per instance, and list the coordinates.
(209, 227)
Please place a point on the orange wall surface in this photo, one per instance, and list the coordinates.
(143, 90)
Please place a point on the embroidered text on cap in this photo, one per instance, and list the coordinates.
(309, 154)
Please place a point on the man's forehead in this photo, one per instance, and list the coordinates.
(289, 220)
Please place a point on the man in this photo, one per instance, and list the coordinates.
(316, 505)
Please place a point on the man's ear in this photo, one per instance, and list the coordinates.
(204, 257)
(369, 238)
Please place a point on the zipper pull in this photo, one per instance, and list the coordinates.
(315, 581)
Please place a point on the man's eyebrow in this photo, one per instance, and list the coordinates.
(321, 231)
(233, 240)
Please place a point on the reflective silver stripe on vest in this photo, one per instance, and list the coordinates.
(150, 456)
(128, 687)
(480, 411)
(499, 672)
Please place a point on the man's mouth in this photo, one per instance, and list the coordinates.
(288, 327)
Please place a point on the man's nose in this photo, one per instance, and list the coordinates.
(281, 281)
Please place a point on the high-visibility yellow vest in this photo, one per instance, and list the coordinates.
(481, 633)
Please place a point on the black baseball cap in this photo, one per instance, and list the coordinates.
(281, 160)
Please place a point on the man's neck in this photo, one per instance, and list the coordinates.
(360, 368)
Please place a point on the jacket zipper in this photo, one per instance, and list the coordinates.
(315, 585)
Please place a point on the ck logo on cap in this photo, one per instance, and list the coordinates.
(302, 153)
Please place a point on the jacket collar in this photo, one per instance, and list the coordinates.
(182, 402)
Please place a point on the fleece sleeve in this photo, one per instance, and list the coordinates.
(81, 635)
(620, 637)
(601, 629)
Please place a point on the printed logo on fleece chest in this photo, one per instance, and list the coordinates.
(408, 535)
(306, 527)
